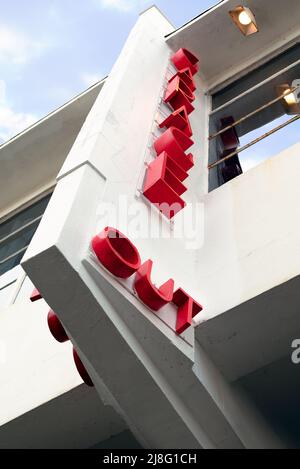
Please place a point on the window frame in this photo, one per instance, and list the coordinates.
(14, 213)
(215, 176)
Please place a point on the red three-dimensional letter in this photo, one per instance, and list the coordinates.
(179, 94)
(35, 295)
(175, 143)
(82, 370)
(153, 297)
(116, 252)
(180, 120)
(56, 327)
(163, 185)
(58, 332)
(183, 59)
(187, 309)
(186, 76)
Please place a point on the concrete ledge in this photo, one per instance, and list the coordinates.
(255, 333)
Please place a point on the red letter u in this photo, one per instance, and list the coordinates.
(152, 296)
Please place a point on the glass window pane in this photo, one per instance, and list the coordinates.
(11, 263)
(24, 217)
(18, 241)
(13, 249)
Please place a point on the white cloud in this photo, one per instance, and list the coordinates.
(12, 122)
(2, 91)
(16, 47)
(89, 79)
(122, 5)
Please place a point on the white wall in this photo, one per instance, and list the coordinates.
(251, 240)
(35, 368)
(129, 351)
(109, 156)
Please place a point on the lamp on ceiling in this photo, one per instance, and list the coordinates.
(244, 19)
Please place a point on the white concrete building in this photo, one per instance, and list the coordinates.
(225, 379)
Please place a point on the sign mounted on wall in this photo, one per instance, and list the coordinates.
(163, 186)
(163, 182)
(121, 258)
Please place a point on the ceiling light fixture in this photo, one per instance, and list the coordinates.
(244, 19)
(289, 99)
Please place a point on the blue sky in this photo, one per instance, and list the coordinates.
(51, 50)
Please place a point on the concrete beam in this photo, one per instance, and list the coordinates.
(254, 334)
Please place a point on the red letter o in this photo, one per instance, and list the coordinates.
(56, 327)
(81, 370)
(116, 252)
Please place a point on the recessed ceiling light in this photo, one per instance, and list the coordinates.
(244, 19)
(290, 98)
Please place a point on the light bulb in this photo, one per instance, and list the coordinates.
(244, 18)
(290, 98)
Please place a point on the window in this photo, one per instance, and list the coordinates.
(251, 96)
(17, 232)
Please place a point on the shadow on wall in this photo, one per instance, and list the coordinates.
(75, 420)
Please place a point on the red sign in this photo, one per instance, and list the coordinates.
(163, 183)
(122, 259)
(163, 187)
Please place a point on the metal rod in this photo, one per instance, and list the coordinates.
(256, 111)
(251, 114)
(14, 254)
(8, 284)
(262, 137)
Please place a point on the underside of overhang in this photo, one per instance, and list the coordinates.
(251, 345)
(224, 52)
(255, 333)
(275, 391)
(74, 420)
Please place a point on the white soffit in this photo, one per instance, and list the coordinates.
(31, 161)
(224, 52)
